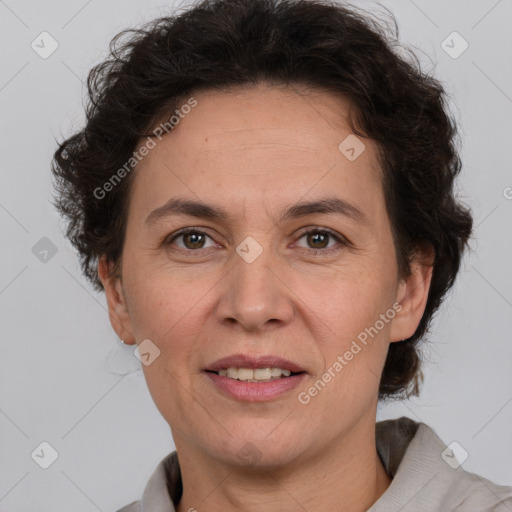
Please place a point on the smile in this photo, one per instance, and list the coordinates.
(254, 374)
(243, 386)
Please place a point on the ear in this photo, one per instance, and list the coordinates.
(412, 295)
(117, 309)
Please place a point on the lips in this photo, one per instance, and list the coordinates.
(253, 362)
(256, 391)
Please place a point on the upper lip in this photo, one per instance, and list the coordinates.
(245, 361)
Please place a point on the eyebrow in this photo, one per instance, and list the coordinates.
(192, 208)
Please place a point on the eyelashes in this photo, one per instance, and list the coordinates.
(326, 233)
(201, 236)
(185, 232)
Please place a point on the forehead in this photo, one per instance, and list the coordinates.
(262, 142)
(291, 116)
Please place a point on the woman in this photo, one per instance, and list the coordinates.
(264, 191)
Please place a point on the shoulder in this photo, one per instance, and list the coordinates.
(162, 490)
(479, 493)
(132, 507)
(427, 475)
(465, 490)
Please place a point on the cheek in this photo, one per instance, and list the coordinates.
(350, 296)
(355, 348)
(165, 302)
(171, 320)
(353, 343)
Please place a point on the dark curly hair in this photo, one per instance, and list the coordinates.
(222, 44)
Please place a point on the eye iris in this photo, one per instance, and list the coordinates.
(315, 237)
(197, 240)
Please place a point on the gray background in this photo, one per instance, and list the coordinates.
(65, 379)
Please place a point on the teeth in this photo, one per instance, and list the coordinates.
(256, 375)
(232, 373)
(244, 373)
(262, 374)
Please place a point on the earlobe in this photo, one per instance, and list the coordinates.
(117, 308)
(412, 295)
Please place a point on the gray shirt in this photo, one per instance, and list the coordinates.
(425, 477)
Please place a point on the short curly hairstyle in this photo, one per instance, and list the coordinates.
(223, 44)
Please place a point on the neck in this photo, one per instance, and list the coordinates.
(347, 472)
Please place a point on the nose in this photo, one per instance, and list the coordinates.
(255, 294)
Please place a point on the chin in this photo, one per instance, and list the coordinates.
(265, 452)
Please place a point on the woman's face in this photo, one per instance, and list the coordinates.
(252, 282)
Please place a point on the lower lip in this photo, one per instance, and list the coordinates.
(255, 391)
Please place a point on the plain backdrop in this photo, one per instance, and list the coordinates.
(65, 379)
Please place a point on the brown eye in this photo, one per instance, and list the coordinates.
(192, 239)
(319, 240)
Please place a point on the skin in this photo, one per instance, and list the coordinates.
(253, 152)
